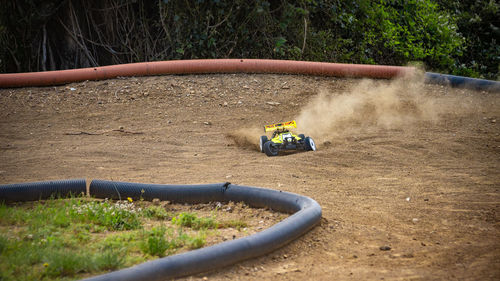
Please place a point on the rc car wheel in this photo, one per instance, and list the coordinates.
(263, 140)
(269, 149)
(309, 144)
(302, 137)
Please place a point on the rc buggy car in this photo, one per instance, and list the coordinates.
(283, 139)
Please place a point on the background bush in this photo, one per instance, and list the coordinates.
(450, 36)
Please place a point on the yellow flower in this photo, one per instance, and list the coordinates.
(45, 265)
(129, 199)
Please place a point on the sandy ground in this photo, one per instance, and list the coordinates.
(409, 166)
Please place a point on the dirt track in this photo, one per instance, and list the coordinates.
(419, 173)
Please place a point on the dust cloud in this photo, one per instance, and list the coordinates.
(246, 138)
(370, 105)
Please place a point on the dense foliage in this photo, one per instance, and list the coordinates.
(479, 22)
(446, 35)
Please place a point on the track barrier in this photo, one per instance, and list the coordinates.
(206, 66)
(306, 214)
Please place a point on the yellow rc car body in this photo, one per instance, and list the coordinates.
(283, 139)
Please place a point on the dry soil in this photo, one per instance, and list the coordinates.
(410, 168)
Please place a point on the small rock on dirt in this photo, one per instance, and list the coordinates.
(385, 248)
(273, 103)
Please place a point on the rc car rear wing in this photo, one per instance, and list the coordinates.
(280, 126)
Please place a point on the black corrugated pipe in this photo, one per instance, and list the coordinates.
(462, 82)
(33, 191)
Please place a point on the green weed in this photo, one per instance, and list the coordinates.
(238, 224)
(155, 243)
(62, 263)
(156, 212)
(197, 241)
(118, 216)
(192, 221)
(109, 260)
(3, 243)
(192, 242)
(120, 241)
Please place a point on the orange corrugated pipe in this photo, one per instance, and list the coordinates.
(201, 66)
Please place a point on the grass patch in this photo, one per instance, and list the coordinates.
(157, 212)
(238, 224)
(77, 237)
(192, 221)
(155, 243)
(60, 263)
(118, 216)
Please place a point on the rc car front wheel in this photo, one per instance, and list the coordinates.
(269, 149)
(309, 144)
(263, 140)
